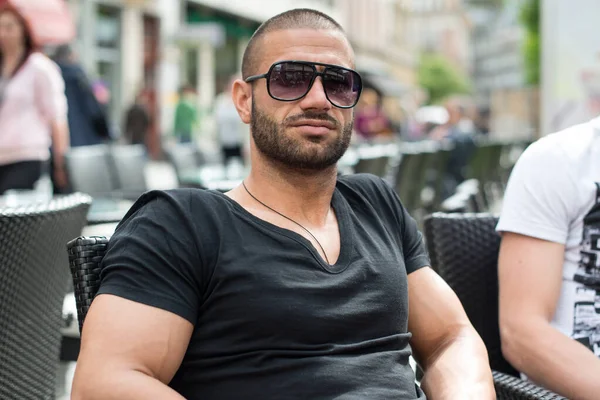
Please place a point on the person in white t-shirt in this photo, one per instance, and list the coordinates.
(549, 263)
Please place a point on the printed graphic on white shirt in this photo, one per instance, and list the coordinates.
(586, 324)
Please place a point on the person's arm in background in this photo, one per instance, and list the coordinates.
(541, 197)
(530, 276)
(53, 106)
(60, 146)
(445, 344)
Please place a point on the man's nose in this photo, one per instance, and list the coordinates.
(316, 97)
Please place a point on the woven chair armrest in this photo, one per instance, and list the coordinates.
(509, 387)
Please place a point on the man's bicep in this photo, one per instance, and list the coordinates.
(435, 313)
(122, 335)
(530, 277)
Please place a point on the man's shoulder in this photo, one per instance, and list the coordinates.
(368, 188)
(568, 145)
(364, 183)
(188, 203)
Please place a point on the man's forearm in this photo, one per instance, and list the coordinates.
(459, 370)
(131, 385)
(555, 361)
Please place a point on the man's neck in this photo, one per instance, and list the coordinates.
(301, 195)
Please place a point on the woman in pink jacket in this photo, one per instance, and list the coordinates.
(33, 108)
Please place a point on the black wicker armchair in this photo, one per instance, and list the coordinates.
(85, 254)
(464, 252)
(33, 283)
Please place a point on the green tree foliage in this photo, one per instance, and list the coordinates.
(440, 78)
(530, 18)
(486, 3)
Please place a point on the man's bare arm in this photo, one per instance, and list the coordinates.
(129, 351)
(530, 279)
(445, 343)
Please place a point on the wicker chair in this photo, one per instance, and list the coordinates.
(33, 283)
(464, 252)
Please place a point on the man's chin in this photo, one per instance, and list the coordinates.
(313, 162)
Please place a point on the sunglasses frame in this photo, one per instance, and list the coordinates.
(316, 74)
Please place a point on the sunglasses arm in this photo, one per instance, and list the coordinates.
(255, 78)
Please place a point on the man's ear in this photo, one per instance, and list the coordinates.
(241, 92)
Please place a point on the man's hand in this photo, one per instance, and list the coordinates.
(445, 343)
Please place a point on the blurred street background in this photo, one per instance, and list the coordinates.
(138, 55)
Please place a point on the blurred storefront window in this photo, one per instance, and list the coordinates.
(108, 65)
(227, 56)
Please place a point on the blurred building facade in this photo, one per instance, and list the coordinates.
(385, 55)
(498, 70)
(442, 27)
(156, 46)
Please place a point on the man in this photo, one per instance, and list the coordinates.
(186, 114)
(291, 286)
(458, 130)
(137, 121)
(88, 123)
(549, 269)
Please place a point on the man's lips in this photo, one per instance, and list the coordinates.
(314, 123)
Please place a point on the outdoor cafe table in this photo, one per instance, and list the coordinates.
(108, 210)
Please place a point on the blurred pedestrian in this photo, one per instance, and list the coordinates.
(186, 114)
(230, 129)
(371, 121)
(88, 122)
(137, 121)
(459, 131)
(482, 123)
(33, 108)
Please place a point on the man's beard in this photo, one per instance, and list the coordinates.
(296, 152)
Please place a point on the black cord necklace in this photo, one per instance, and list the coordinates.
(289, 219)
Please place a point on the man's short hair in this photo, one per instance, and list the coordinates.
(300, 18)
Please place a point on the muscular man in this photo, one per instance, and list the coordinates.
(295, 285)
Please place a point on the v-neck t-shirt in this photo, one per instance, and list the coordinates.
(272, 319)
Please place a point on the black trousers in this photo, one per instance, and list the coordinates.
(20, 175)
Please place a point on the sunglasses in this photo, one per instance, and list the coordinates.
(292, 80)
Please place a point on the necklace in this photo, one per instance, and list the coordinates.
(289, 219)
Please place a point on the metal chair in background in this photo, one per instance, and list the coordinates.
(129, 164)
(183, 158)
(372, 165)
(90, 170)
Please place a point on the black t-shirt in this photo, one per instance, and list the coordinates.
(271, 319)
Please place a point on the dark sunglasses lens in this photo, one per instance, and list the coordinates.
(290, 81)
(342, 86)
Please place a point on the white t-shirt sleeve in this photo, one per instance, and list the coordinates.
(541, 194)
